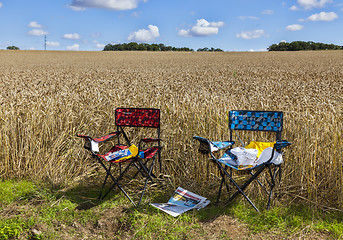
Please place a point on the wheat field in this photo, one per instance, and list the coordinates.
(49, 96)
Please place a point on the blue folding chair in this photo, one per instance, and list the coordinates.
(257, 121)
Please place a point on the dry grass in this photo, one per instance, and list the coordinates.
(48, 97)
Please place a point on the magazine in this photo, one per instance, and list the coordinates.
(182, 201)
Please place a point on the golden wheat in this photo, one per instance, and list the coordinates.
(47, 97)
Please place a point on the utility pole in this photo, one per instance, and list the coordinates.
(45, 42)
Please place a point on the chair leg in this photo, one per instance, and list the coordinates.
(103, 185)
(240, 189)
(221, 184)
(220, 188)
(140, 169)
(259, 183)
(115, 181)
(146, 181)
(118, 179)
(272, 184)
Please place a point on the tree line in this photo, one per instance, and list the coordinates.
(133, 46)
(209, 50)
(302, 46)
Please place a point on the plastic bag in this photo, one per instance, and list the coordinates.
(267, 153)
(245, 156)
(260, 146)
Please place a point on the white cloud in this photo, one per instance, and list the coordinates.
(323, 16)
(37, 32)
(202, 28)
(145, 35)
(294, 27)
(77, 8)
(251, 34)
(99, 45)
(294, 8)
(34, 25)
(268, 12)
(105, 4)
(248, 17)
(74, 47)
(72, 36)
(52, 44)
(0, 4)
(309, 4)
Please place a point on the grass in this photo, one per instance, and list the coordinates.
(36, 212)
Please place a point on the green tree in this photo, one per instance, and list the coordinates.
(12, 48)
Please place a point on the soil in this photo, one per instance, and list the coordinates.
(109, 226)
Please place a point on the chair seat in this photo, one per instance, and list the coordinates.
(145, 154)
(230, 160)
(114, 149)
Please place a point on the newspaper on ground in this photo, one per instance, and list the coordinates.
(182, 201)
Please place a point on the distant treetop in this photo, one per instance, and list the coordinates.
(133, 46)
(12, 48)
(209, 50)
(303, 46)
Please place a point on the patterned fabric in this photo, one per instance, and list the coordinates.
(83, 136)
(206, 145)
(105, 138)
(256, 120)
(150, 152)
(221, 145)
(146, 154)
(138, 117)
(281, 144)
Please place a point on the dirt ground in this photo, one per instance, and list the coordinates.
(109, 226)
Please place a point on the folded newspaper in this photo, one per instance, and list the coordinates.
(182, 201)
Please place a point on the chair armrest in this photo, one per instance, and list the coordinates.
(83, 136)
(107, 137)
(147, 140)
(207, 146)
(281, 144)
(92, 144)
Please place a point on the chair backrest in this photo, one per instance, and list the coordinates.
(268, 121)
(137, 117)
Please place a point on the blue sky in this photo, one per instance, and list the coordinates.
(240, 25)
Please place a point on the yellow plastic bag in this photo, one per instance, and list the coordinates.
(260, 146)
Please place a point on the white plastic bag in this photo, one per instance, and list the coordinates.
(267, 153)
(245, 156)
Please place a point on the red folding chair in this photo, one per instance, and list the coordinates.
(128, 155)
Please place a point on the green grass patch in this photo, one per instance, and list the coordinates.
(11, 191)
(150, 223)
(76, 213)
(290, 219)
